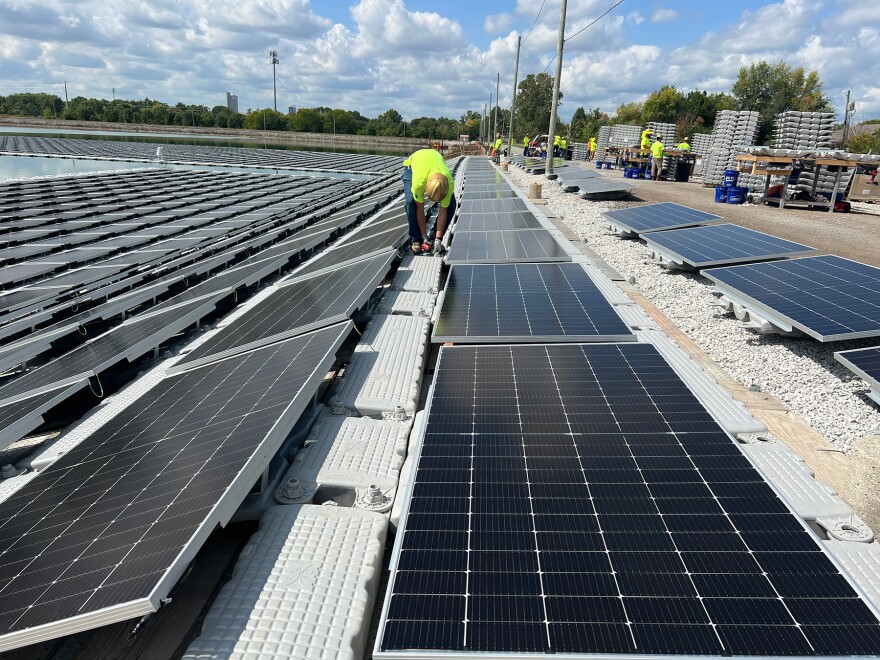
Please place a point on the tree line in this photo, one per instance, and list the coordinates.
(764, 87)
(306, 120)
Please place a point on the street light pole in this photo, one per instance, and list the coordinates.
(273, 55)
(554, 105)
(513, 99)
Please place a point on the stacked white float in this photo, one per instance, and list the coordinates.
(733, 130)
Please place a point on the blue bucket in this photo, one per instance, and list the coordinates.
(736, 195)
(608, 165)
(730, 178)
(598, 164)
(720, 194)
(647, 175)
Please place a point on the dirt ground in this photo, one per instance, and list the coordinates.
(854, 235)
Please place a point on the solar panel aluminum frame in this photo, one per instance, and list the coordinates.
(293, 332)
(19, 352)
(219, 515)
(842, 357)
(418, 436)
(679, 261)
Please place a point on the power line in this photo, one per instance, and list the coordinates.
(534, 22)
(620, 2)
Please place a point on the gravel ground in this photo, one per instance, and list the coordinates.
(802, 373)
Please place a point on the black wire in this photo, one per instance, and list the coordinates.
(527, 36)
(620, 2)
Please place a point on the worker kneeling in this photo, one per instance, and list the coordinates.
(426, 174)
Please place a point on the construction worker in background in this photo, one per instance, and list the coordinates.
(556, 146)
(497, 148)
(592, 148)
(526, 145)
(563, 147)
(646, 138)
(426, 174)
(657, 157)
(684, 146)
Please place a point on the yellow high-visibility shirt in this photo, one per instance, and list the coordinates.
(657, 149)
(526, 141)
(646, 138)
(498, 144)
(592, 143)
(684, 146)
(423, 164)
(563, 144)
(556, 141)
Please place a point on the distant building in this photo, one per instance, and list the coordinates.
(231, 102)
(291, 109)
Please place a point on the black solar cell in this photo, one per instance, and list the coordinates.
(527, 245)
(656, 217)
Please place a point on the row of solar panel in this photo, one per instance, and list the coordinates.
(190, 154)
(579, 499)
(191, 448)
(252, 229)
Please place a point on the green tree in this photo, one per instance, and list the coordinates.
(698, 112)
(664, 105)
(578, 123)
(266, 118)
(865, 143)
(774, 88)
(470, 122)
(628, 113)
(533, 100)
(306, 120)
(595, 120)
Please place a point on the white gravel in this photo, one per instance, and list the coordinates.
(802, 373)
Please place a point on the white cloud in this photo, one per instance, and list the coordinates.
(664, 15)
(497, 23)
(635, 17)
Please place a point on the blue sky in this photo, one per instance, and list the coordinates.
(425, 58)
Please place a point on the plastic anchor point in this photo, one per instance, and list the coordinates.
(293, 489)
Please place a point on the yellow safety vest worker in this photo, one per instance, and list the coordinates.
(646, 138)
(526, 141)
(563, 144)
(498, 144)
(423, 164)
(684, 146)
(657, 149)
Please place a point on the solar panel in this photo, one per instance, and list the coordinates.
(721, 244)
(865, 363)
(21, 416)
(578, 499)
(499, 192)
(525, 245)
(526, 302)
(601, 188)
(356, 249)
(828, 298)
(506, 205)
(295, 308)
(656, 217)
(104, 533)
(497, 221)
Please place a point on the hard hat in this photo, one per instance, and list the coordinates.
(437, 187)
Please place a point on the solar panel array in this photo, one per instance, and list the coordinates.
(119, 516)
(657, 217)
(526, 302)
(269, 222)
(722, 244)
(578, 499)
(104, 533)
(496, 225)
(201, 154)
(827, 297)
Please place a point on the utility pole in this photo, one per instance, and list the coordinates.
(488, 126)
(497, 84)
(554, 105)
(513, 98)
(66, 100)
(273, 55)
(846, 119)
(113, 91)
(483, 123)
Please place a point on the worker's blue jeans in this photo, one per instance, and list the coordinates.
(415, 233)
